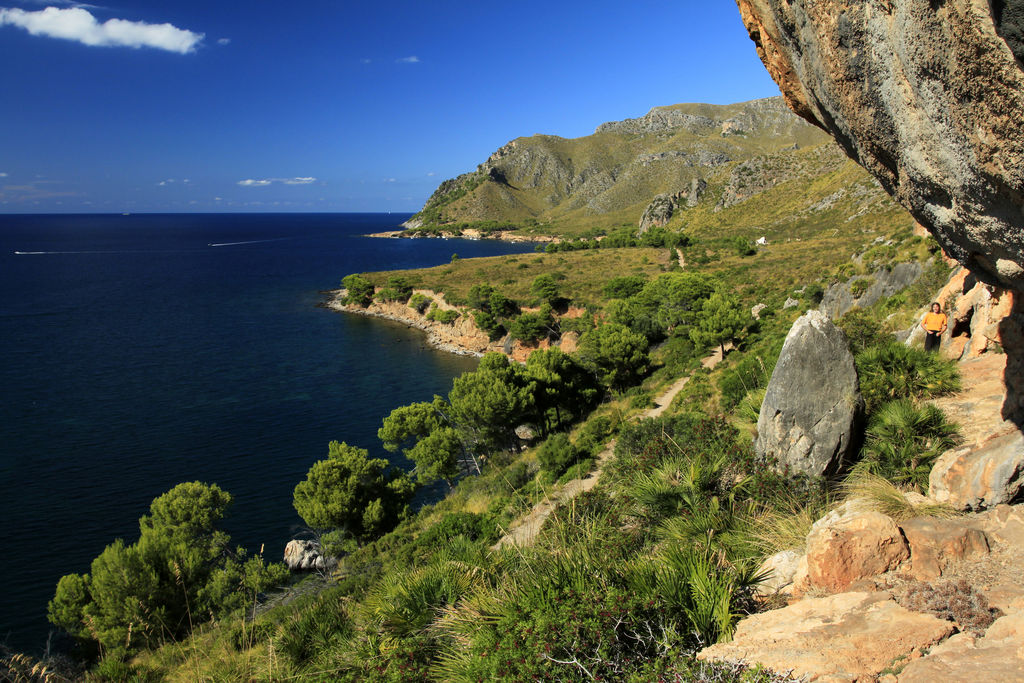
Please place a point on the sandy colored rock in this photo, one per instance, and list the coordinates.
(927, 96)
(978, 478)
(852, 543)
(844, 637)
(997, 656)
(936, 543)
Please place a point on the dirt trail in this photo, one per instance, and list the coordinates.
(523, 531)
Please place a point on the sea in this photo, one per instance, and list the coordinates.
(139, 351)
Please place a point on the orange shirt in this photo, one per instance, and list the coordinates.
(933, 322)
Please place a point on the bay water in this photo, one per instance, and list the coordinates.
(140, 351)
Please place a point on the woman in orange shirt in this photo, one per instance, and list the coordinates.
(934, 324)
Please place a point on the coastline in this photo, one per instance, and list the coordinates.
(461, 337)
(467, 234)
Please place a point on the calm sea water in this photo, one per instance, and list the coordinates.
(140, 351)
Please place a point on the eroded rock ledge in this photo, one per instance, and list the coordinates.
(928, 96)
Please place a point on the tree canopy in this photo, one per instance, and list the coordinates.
(616, 354)
(182, 570)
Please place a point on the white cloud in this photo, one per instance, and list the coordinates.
(263, 182)
(223, 41)
(431, 174)
(3, 175)
(76, 23)
(412, 59)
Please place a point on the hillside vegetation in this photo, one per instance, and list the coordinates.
(547, 184)
(628, 580)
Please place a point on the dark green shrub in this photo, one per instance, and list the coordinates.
(557, 454)
(749, 373)
(397, 289)
(314, 629)
(893, 370)
(473, 526)
(813, 293)
(444, 317)
(861, 285)
(359, 290)
(420, 302)
(624, 287)
(594, 433)
(903, 440)
(862, 330)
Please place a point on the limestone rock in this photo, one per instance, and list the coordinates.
(937, 543)
(696, 191)
(790, 303)
(928, 96)
(780, 570)
(978, 478)
(812, 410)
(660, 211)
(852, 543)
(976, 315)
(885, 282)
(996, 656)
(844, 637)
(756, 310)
(304, 556)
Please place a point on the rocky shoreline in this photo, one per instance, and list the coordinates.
(460, 337)
(467, 234)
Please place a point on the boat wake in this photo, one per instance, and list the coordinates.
(232, 244)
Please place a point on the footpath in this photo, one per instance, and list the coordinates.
(523, 532)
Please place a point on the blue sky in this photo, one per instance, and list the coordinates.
(328, 106)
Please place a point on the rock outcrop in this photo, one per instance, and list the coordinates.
(660, 211)
(844, 637)
(979, 478)
(928, 96)
(306, 556)
(812, 410)
(851, 543)
(843, 296)
(996, 656)
(936, 543)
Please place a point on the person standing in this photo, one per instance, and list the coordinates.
(934, 324)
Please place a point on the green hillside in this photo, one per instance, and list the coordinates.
(611, 177)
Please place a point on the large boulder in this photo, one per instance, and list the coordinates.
(978, 478)
(844, 637)
(928, 96)
(812, 411)
(852, 543)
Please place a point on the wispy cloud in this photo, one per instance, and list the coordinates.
(3, 175)
(365, 60)
(223, 41)
(263, 182)
(79, 25)
(412, 59)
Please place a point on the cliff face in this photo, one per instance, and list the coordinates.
(928, 96)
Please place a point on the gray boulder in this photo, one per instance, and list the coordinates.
(305, 556)
(811, 417)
